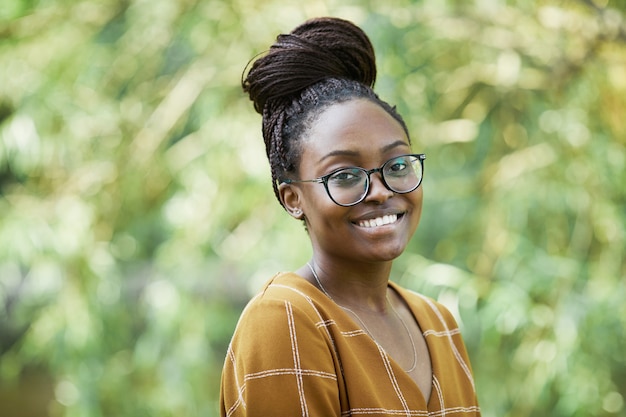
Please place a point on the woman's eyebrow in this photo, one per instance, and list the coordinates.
(339, 153)
(394, 145)
(345, 152)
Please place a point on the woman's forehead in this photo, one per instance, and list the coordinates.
(353, 127)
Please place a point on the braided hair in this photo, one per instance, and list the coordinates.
(322, 62)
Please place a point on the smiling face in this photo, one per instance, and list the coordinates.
(355, 133)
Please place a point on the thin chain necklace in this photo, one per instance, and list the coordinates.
(317, 279)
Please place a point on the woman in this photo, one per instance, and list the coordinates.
(336, 337)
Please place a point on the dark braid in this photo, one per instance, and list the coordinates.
(322, 62)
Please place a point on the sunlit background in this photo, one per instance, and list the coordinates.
(137, 215)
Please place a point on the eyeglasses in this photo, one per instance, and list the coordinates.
(349, 186)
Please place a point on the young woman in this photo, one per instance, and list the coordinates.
(337, 337)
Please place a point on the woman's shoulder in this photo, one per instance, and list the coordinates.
(284, 288)
(287, 286)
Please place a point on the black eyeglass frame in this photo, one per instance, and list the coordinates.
(324, 178)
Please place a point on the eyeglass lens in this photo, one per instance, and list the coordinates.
(349, 186)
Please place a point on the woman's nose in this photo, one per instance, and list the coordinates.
(377, 191)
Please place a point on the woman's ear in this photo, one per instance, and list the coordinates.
(291, 199)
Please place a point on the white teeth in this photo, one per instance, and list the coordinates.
(379, 221)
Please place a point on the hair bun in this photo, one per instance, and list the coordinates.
(318, 49)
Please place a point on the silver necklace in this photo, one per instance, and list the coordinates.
(319, 283)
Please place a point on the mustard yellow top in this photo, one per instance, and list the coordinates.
(297, 353)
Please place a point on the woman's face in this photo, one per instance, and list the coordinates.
(362, 134)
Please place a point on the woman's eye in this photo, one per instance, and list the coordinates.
(342, 176)
(398, 167)
(346, 177)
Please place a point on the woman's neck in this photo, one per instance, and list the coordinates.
(362, 287)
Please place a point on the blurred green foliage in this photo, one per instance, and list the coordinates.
(137, 216)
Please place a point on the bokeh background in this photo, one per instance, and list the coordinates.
(137, 215)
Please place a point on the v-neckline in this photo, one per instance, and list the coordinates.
(399, 292)
(395, 365)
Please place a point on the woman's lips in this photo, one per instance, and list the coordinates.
(379, 221)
